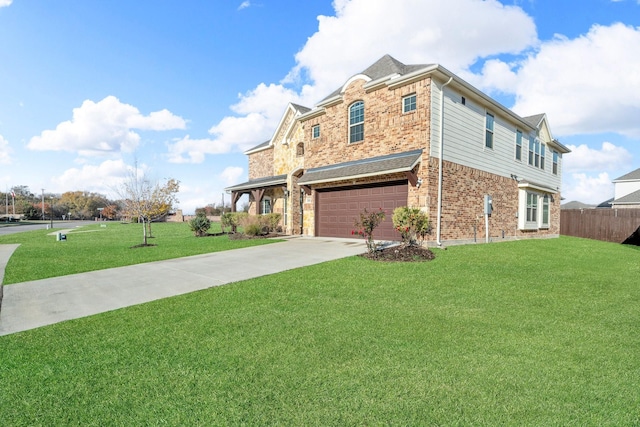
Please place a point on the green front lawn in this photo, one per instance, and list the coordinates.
(530, 333)
(107, 245)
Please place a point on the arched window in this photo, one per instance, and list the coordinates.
(300, 149)
(356, 122)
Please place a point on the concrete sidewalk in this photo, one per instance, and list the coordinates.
(38, 303)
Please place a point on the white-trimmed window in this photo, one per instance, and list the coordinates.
(536, 152)
(544, 217)
(518, 145)
(532, 148)
(315, 131)
(532, 207)
(409, 103)
(356, 122)
(488, 141)
(534, 212)
(265, 205)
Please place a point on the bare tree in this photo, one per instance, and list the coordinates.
(146, 201)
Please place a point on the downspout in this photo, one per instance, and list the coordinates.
(438, 226)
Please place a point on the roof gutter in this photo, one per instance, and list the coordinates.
(439, 222)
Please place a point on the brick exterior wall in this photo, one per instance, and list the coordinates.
(463, 205)
(261, 164)
(387, 131)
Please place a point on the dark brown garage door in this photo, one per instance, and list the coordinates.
(338, 208)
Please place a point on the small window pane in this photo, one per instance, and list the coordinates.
(316, 131)
(532, 144)
(518, 145)
(356, 122)
(409, 103)
(489, 132)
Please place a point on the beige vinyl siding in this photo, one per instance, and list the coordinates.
(464, 136)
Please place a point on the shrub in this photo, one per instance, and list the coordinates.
(231, 220)
(200, 225)
(254, 225)
(411, 223)
(365, 226)
(272, 220)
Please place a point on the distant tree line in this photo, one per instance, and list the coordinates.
(20, 202)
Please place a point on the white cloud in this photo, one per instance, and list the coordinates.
(244, 5)
(4, 3)
(103, 127)
(455, 33)
(609, 157)
(5, 151)
(588, 189)
(104, 178)
(585, 85)
(231, 175)
(187, 150)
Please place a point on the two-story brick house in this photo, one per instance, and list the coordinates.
(408, 135)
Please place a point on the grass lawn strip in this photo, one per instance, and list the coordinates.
(540, 332)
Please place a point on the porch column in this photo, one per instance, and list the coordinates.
(257, 196)
(234, 199)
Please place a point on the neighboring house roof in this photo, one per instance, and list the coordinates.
(629, 199)
(631, 176)
(576, 205)
(605, 204)
(401, 162)
(269, 181)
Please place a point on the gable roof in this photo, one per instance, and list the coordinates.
(386, 66)
(258, 147)
(300, 109)
(631, 176)
(268, 181)
(392, 163)
(534, 120)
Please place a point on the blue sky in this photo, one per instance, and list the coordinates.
(89, 87)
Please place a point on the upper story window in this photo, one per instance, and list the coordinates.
(488, 142)
(409, 103)
(518, 145)
(315, 131)
(356, 122)
(555, 163)
(536, 152)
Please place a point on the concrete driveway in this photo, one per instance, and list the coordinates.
(44, 302)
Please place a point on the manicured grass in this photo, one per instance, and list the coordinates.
(94, 247)
(528, 333)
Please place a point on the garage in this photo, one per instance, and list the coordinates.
(338, 208)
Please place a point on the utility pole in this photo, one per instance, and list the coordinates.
(43, 204)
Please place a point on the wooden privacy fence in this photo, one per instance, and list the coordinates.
(609, 225)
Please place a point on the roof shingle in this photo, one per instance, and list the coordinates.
(359, 168)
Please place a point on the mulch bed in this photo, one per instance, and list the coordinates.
(402, 253)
